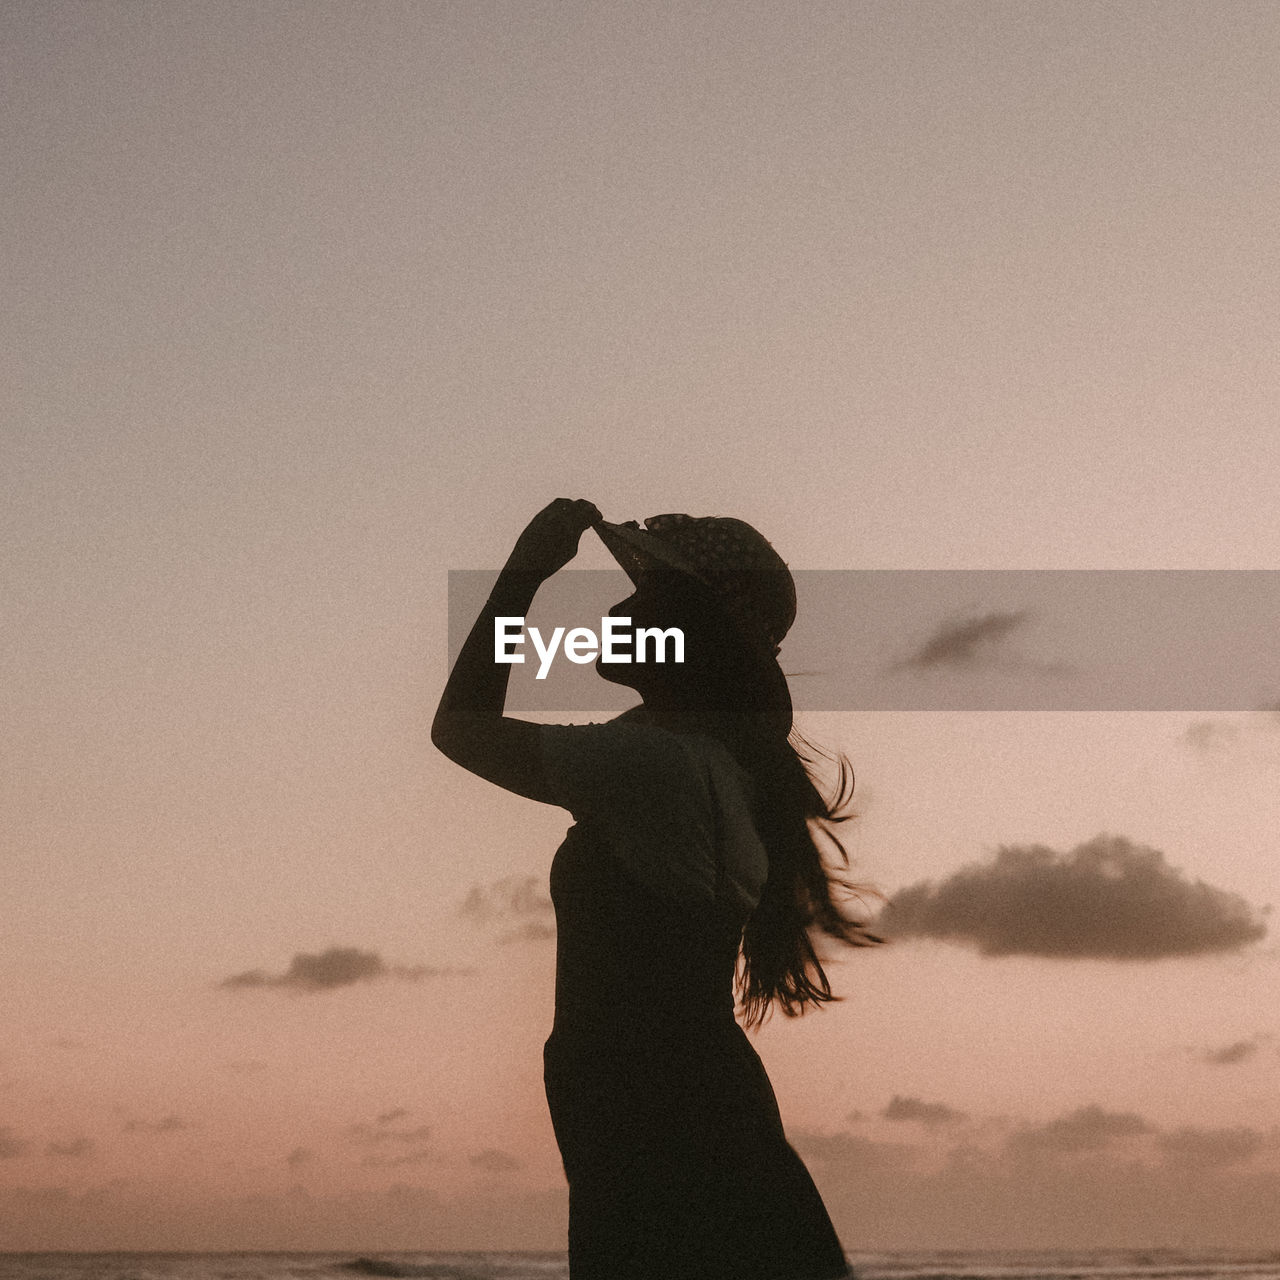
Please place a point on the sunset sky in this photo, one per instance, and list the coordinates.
(310, 303)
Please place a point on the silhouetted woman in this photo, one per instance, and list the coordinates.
(692, 860)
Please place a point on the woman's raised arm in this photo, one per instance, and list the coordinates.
(469, 726)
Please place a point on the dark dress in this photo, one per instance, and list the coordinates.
(673, 1147)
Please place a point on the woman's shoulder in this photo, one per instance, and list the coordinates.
(635, 730)
(631, 744)
(614, 762)
(632, 728)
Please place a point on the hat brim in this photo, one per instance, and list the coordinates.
(639, 551)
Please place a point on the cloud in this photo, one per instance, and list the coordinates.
(968, 644)
(1210, 1148)
(1086, 1129)
(517, 901)
(1235, 1052)
(1087, 1176)
(491, 1160)
(1215, 735)
(965, 642)
(11, 1146)
(1107, 899)
(166, 1124)
(393, 1162)
(329, 970)
(968, 1196)
(74, 1149)
(929, 1114)
(510, 896)
(299, 1156)
(1210, 735)
(383, 1130)
(531, 931)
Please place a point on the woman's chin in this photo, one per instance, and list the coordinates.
(616, 672)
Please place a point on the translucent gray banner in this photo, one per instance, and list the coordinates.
(956, 640)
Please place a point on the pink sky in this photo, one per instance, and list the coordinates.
(315, 302)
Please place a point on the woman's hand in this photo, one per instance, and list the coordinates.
(550, 539)
(469, 726)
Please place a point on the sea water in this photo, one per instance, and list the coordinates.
(1136, 1264)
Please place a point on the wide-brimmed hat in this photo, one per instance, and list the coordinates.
(744, 576)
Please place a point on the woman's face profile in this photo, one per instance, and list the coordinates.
(663, 599)
(645, 609)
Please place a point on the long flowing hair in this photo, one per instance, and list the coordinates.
(806, 894)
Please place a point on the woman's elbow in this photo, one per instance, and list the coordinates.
(446, 735)
(463, 738)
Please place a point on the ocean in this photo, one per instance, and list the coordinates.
(1136, 1264)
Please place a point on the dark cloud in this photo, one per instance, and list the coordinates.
(1210, 1148)
(1086, 1129)
(1231, 1054)
(929, 1114)
(389, 1117)
(74, 1149)
(491, 1160)
(1107, 899)
(299, 1156)
(518, 902)
(328, 970)
(11, 1146)
(965, 642)
(166, 1124)
(505, 898)
(971, 643)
